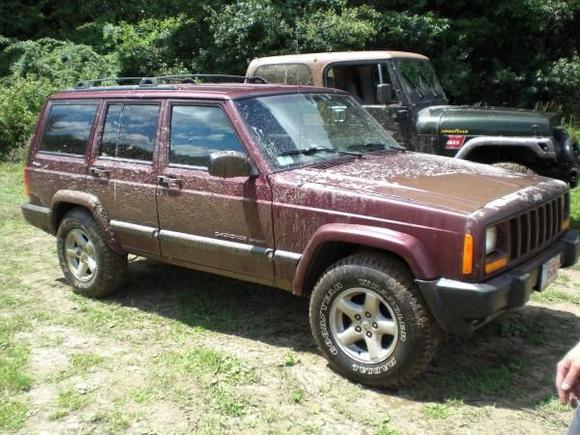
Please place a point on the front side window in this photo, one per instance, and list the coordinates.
(198, 131)
(68, 128)
(299, 129)
(130, 131)
(288, 74)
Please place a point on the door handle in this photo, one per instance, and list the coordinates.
(170, 182)
(100, 172)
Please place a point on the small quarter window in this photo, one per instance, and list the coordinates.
(288, 74)
(198, 131)
(68, 128)
(130, 131)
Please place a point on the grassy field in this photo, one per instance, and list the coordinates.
(178, 351)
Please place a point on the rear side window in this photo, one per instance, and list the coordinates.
(130, 131)
(198, 131)
(288, 74)
(68, 128)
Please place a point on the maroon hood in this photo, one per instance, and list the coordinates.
(436, 181)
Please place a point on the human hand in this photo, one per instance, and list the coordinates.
(568, 377)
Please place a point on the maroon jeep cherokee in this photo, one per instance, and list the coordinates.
(297, 188)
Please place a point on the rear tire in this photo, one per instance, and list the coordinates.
(516, 167)
(369, 320)
(88, 264)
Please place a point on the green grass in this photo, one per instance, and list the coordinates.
(217, 373)
(14, 380)
(80, 364)
(554, 294)
(441, 411)
(68, 401)
(575, 207)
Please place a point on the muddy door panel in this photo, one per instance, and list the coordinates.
(123, 176)
(219, 223)
(222, 223)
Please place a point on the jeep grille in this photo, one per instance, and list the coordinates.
(536, 228)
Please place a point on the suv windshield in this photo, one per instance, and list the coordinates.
(419, 79)
(296, 130)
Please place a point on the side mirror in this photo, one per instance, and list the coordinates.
(384, 93)
(228, 164)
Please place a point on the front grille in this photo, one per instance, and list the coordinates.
(536, 228)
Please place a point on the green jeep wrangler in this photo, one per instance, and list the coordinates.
(402, 91)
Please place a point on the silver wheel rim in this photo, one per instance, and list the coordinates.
(364, 325)
(80, 255)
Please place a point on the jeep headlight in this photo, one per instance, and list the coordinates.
(490, 239)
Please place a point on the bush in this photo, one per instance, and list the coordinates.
(328, 30)
(148, 47)
(37, 70)
(244, 30)
(559, 82)
(59, 62)
(20, 102)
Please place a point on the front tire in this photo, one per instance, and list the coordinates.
(369, 320)
(88, 264)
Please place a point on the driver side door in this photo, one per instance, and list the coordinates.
(222, 225)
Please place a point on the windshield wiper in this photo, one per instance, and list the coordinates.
(374, 146)
(314, 150)
(430, 83)
(415, 86)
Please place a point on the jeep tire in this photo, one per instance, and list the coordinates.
(88, 264)
(369, 320)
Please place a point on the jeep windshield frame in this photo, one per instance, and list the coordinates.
(418, 80)
(305, 128)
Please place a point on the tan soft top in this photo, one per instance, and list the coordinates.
(331, 57)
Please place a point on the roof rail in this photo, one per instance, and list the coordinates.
(182, 78)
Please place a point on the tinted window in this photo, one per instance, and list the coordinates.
(289, 74)
(129, 131)
(68, 127)
(198, 131)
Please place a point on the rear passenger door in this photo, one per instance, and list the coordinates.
(122, 171)
(222, 224)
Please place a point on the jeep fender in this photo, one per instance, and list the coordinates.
(91, 203)
(542, 147)
(410, 249)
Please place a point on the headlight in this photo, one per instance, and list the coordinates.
(490, 240)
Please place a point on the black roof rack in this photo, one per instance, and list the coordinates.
(180, 78)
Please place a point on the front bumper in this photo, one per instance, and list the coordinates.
(461, 307)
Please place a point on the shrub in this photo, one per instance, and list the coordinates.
(328, 30)
(38, 69)
(59, 62)
(20, 102)
(147, 48)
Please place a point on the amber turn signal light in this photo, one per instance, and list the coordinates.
(565, 224)
(467, 254)
(497, 264)
(27, 182)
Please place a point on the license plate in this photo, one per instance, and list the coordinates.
(549, 272)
